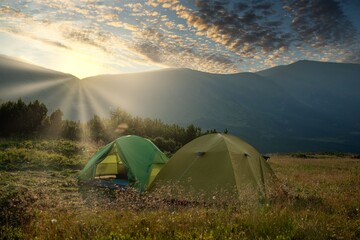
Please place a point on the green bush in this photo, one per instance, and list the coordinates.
(30, 159)
(10, 232)
(63, 147)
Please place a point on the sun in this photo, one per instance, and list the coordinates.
(82, 65)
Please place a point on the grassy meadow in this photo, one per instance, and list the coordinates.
(40, 199)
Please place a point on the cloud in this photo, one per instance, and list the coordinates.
(151, 51)
(89, 36)
(51, 42)
(216, 36)
(13, 12)
(239, 29)
(134, 7)
(353, 57)
(13, 16)
(174, 51)
(319, 23)
(250, 28)
(123, 25)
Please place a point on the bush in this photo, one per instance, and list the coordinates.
(166, 145)
(30, 159)
(10, 232)
(15, 205)
(63, 147)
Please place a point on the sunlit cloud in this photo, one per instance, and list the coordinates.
(212, 36)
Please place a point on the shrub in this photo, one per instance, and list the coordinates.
(30, 159)
(10, 232)
(15, 205)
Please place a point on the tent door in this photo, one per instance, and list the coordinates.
(121, 171)
(111, 167)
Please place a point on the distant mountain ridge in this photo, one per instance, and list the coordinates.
(304, 106)
(19, 79)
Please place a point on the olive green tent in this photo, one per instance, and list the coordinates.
(129, 160)
(211, 163)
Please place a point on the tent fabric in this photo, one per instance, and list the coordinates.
(212, 162)
(132, 157)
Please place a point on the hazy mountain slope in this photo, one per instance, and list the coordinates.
(276, 110)
(330, 89)
(13, 71)
(29, 82)
(326, 87)
(305, 106)
(164, 94)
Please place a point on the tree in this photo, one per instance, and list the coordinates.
(21, 119)
(166, 145)
(119, 116)
(53, 125)
(97, 129)
(71, 130)
(192, 132)
(34, 115)
(211, 131)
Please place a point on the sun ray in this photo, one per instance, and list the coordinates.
(31, 88)
(94, 104)
(65, 99)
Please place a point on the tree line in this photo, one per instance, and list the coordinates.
(20, 119)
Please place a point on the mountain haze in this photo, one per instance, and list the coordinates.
(29, 82)
(304, 106)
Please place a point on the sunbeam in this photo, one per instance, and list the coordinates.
(31, 88)
(92, 103)
(67, 101)
(99, 97)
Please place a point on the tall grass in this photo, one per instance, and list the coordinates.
(42, 200)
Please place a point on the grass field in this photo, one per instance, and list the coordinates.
(40, 199)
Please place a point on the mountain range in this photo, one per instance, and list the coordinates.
(303, 106)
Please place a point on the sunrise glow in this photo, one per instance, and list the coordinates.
(87, 38)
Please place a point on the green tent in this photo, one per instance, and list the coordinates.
(129, 160)
(211, 163)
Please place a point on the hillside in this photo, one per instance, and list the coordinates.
(30, 82)
(318, 84)
(304, 106)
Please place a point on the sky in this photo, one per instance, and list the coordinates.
(91, 37)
